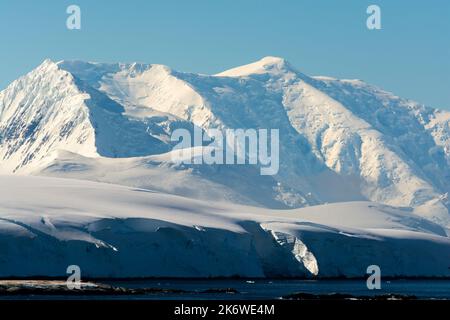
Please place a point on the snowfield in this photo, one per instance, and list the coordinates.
(109, 230)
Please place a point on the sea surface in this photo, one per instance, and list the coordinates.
(264, 289)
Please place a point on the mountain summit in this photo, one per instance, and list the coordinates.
(340, 140)
(271, 65)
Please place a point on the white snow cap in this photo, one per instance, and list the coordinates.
(267, 64)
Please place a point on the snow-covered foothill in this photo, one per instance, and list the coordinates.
(115, 231)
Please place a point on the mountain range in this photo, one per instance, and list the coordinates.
(341, 141)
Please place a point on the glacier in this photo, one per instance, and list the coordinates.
(113, 231)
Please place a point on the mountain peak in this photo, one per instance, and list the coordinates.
(269, 64)
(47, 61)
(272, 60)
(47, 65)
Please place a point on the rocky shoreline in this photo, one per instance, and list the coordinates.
(57, 287)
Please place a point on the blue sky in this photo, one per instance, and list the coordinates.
(410, 56)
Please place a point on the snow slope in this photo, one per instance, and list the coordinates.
(117, 231)
(236, 184)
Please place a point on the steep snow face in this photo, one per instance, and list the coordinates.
(116, 231)
(40, 111)
(395, 150)
(49, 109)
(354, 148)
(421, 133)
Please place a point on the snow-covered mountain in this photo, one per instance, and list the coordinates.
(340, 140)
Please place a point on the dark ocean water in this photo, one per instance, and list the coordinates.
(268, 289)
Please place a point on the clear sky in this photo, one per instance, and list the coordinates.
(410, 56)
